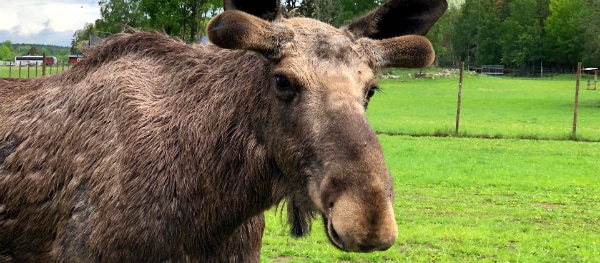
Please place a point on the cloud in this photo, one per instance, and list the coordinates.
(45, 21)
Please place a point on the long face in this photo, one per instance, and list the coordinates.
(321, 81)
(322, 84)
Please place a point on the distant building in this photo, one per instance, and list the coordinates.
(73, 59)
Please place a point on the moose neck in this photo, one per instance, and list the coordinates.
(225, 133)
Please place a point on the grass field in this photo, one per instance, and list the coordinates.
(13, 72)
(491, 107)
(461, 199)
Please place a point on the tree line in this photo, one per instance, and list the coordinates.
(520, 34)
(187, 19)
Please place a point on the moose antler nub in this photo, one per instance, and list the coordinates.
(239, 30)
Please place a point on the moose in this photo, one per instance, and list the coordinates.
(153, 150)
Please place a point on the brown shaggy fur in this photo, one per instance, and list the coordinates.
(151, 150)
(123, 136)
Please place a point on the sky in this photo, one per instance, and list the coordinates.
(51, 22)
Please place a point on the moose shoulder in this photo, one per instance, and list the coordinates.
(150, 150)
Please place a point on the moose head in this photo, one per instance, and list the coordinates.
(321, 79)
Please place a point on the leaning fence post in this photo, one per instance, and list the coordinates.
(460, 82)
(43, 65)
(574, 135)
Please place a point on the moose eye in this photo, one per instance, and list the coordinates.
(283, 83)
(372, 91)
(284, 88)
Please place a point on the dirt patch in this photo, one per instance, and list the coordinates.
(545, 205)
(281, 260)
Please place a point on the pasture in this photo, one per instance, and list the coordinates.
(491, 107)
(473, 199)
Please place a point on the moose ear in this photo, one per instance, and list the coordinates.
(265, 9)
(398, 18)
(412, 51)
(239, 30)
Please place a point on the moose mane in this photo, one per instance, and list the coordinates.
(159, 47)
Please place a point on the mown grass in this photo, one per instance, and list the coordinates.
(13, 72)
(475, 200)
(491, 107)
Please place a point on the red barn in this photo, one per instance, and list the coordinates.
(73, 59)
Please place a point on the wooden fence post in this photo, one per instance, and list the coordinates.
(460, 84)
(595, 79)
(574, 135)
(43, 65)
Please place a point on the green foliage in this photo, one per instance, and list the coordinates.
(441, 41)
(7, 52)
(489, 49)
(184, 19)
(520, 33)
(33, 51)
(564, 34)
(521, 39)
(115, 14)
(335, 12)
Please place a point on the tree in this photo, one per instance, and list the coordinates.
(185, 19)
(44, 50)
(33, 51)
(335, 12)
(466, 29)
(489, 49)
(522, 34)
(564, 40)
(441, 35)
(81, 37)
(7, 52)
(590, 20)
(116, 14)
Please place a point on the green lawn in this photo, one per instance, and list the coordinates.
(475, 200)
(491, 107)
(13, 72)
